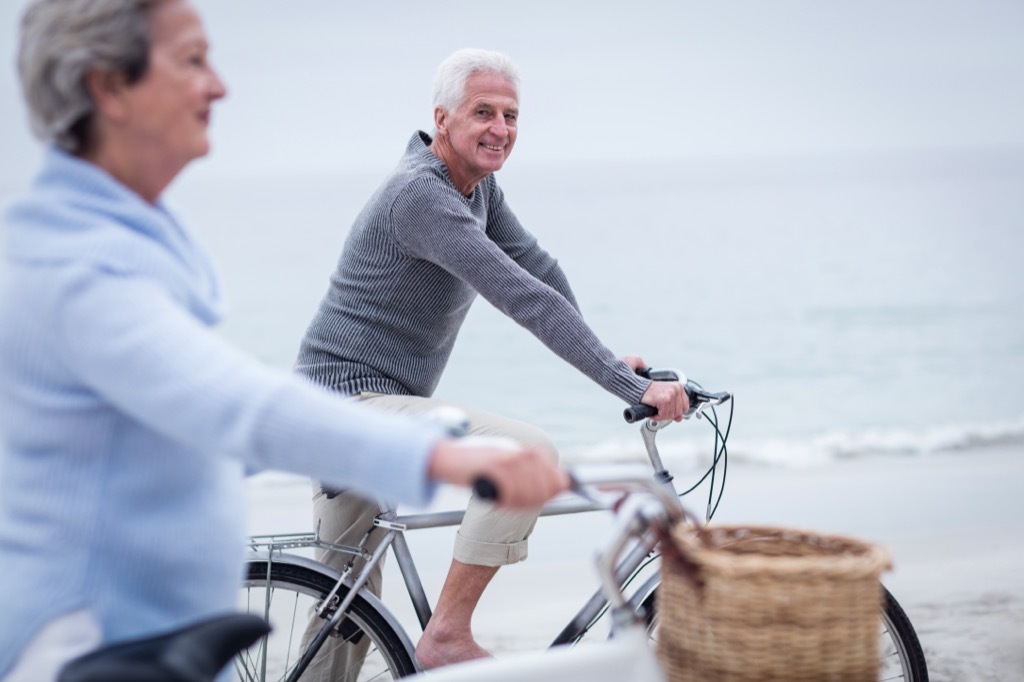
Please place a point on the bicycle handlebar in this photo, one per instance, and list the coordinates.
(585, 481)
(486, 489)
(699, 398)
(635, 413)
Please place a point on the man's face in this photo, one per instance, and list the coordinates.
(482, 130)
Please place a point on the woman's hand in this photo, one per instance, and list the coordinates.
(524, 477)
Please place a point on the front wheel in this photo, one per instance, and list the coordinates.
(365, 647)
(902, 655)
(899, 648)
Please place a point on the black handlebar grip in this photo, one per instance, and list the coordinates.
(485, 489)
(635, 413)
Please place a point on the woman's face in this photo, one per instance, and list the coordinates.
(167, 112)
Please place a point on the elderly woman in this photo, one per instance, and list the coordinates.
(128, 422)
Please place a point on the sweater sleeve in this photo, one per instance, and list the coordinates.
(504, 228)
(433, 222)
(128, 341)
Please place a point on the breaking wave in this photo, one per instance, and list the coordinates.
(816, 449)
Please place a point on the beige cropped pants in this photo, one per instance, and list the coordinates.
(488, 536)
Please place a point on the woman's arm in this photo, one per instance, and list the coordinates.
(129, 342)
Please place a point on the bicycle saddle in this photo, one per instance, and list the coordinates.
(195, 653)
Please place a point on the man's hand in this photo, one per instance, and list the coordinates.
(669, 398)
(635, 362)
(524, 477)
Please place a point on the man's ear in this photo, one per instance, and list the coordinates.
(441, 120)
(107, 90)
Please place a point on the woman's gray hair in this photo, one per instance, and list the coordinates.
(452, 74)
(61, 41)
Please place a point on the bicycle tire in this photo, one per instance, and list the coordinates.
(900, 652)
(294, 589)
(904, 640)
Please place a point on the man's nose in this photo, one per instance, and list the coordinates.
(499, 126)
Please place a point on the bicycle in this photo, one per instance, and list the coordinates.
(284, 587)
(199, 651)
(196, 653)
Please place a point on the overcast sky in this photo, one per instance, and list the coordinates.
(326, 84)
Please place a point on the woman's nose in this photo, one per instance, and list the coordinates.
(217, 87)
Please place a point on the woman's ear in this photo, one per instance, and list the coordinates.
(107, 90)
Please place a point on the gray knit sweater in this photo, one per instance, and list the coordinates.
(414, 261)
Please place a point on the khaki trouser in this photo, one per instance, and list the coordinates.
(488, 536)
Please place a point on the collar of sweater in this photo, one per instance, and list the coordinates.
(75, 214)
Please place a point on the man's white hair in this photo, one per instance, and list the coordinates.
(452, 74)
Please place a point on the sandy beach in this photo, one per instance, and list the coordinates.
(953, 522)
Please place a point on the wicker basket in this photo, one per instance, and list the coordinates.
(740, 604)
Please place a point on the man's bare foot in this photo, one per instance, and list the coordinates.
(448, 637)
(435, 650)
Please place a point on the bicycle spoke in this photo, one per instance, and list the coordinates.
(288, 599)
(291, 634)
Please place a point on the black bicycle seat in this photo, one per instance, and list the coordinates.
(195, 653)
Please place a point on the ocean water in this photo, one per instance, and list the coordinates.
(856, 306)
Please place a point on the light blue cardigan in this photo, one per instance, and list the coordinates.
(128, 422)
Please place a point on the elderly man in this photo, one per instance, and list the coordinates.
(433, 236)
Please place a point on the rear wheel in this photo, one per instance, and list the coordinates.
(899, 648)
(285, 594)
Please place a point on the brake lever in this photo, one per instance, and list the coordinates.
(699, 399)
